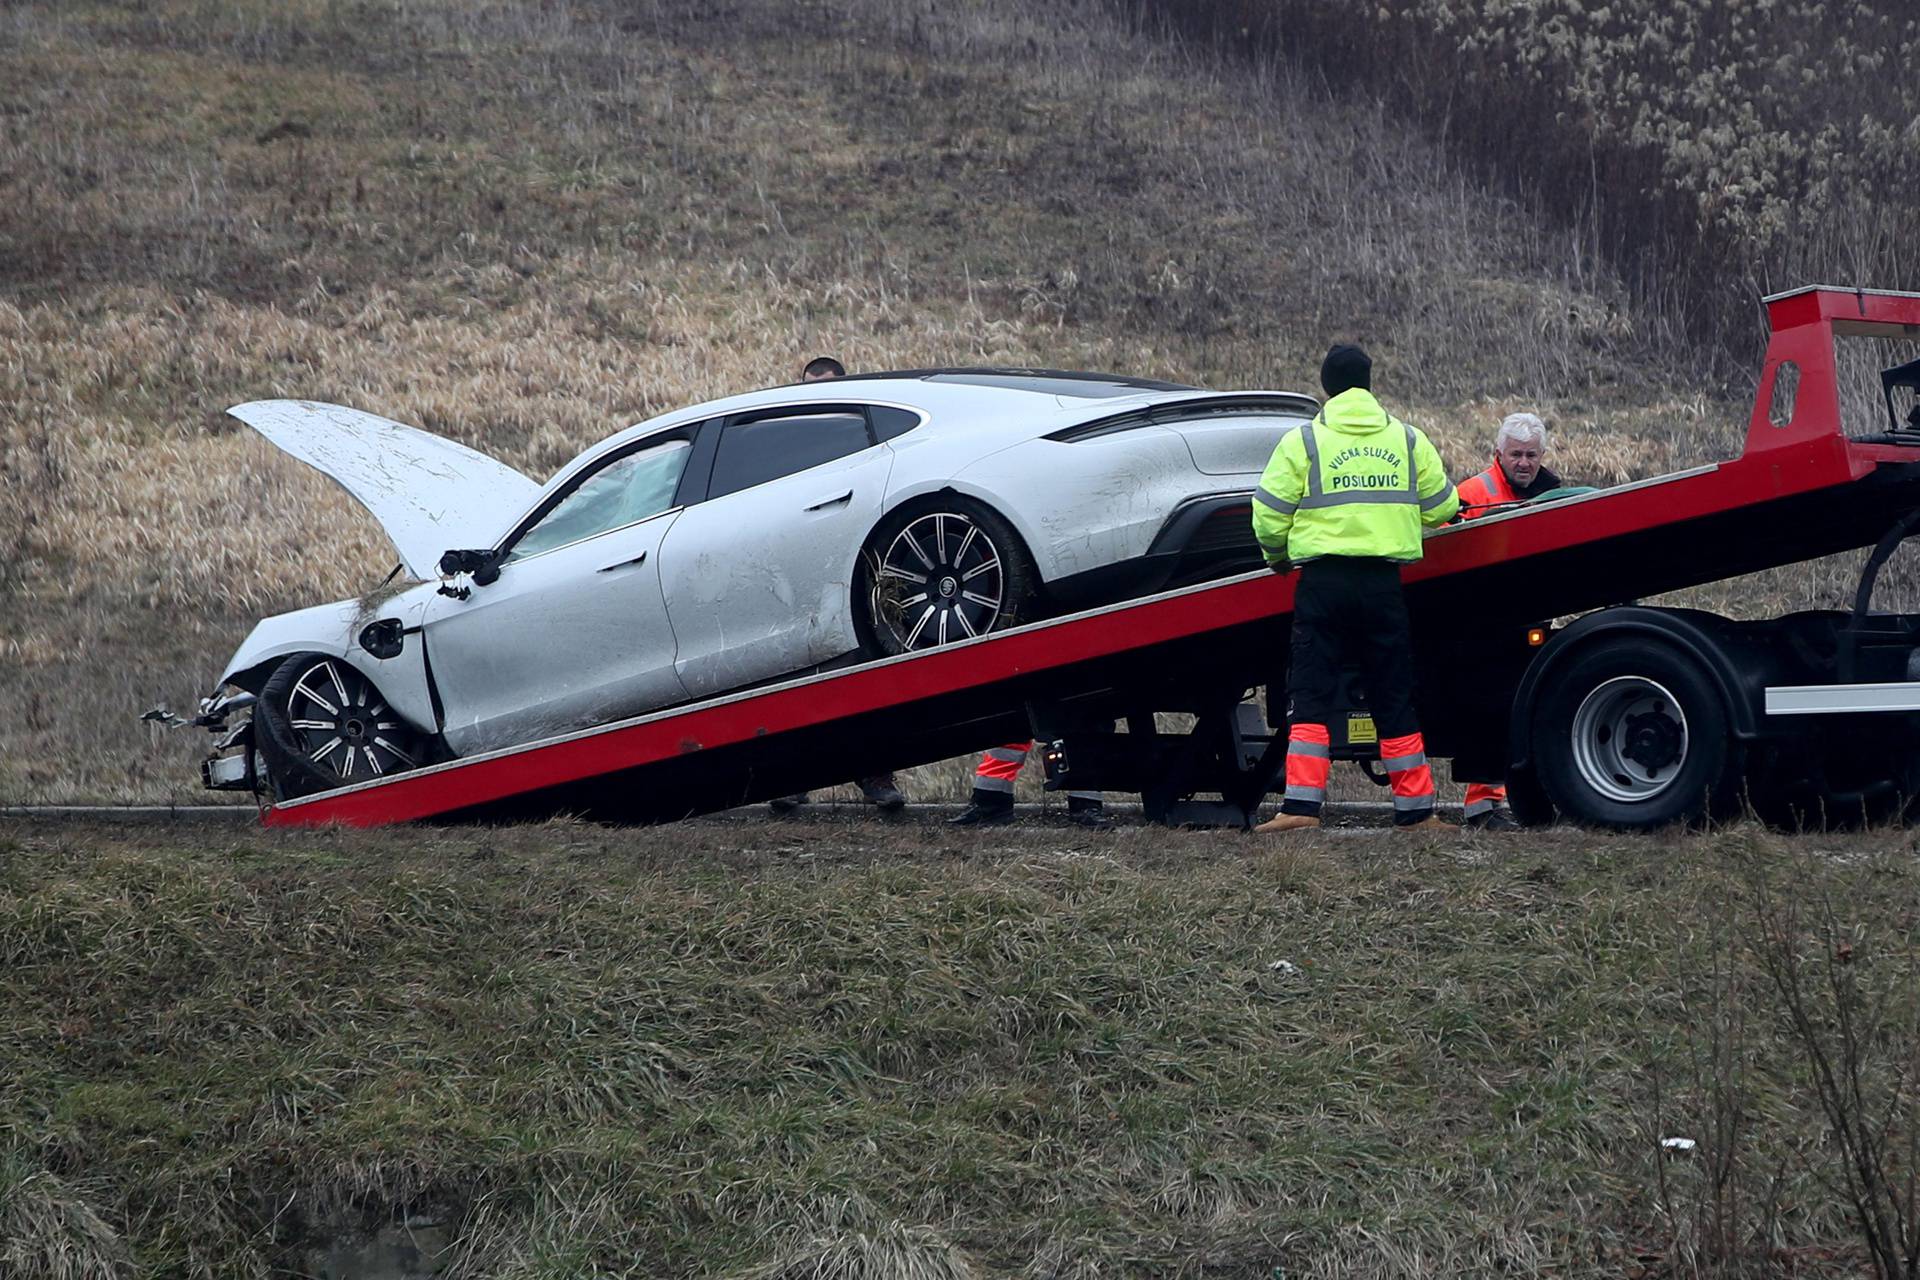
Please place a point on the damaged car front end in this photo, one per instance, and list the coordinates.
(233, 764)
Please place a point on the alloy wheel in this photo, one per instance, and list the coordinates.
(341, 724)
(940, 579)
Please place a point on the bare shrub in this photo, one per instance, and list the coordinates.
(1851, 1001)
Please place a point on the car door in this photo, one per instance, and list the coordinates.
(574, 631)
(759, 576)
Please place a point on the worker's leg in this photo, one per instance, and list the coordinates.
(1313, 670)
(1386, 648)
(1484, 797)
(992, 802)
(880, 789)
(1487, 808)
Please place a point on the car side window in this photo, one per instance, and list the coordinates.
(630, 488)
(889, 422)
(754, 451)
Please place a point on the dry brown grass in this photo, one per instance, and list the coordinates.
(527, 224)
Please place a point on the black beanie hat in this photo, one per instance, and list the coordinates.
(1344, 369)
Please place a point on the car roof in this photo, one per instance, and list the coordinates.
(1066, 397)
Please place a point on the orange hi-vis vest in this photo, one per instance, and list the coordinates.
(1480, 494)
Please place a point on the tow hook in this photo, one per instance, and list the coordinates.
(213, 713)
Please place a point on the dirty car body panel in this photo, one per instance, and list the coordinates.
(720, 546)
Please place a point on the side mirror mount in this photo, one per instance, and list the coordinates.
(482, 565)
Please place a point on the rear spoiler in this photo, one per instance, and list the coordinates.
(1220, 404)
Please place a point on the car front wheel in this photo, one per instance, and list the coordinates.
(933, 573)
(321, 724)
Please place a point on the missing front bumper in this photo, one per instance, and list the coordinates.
(233, 764)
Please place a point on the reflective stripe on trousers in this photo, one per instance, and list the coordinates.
(1405, 760)
(999, 766)
(1309, 764)
(1484, 797)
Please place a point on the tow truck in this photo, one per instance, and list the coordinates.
(1629, 717)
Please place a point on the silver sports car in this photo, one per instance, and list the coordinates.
(724, 545)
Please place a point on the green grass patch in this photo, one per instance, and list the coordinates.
(1130, 1054)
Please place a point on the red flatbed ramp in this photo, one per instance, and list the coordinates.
(1797, 491)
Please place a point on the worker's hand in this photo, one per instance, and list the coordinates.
(1280, 566)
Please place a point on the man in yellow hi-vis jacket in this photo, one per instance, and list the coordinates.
(1345, 498)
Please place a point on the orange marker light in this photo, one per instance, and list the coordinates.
(1536, 636)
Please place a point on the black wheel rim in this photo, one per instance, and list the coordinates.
(941, 578)
(343, 727)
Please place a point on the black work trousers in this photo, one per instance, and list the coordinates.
(1345, 609)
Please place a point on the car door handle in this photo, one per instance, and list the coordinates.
(838, 499)
(624, 564)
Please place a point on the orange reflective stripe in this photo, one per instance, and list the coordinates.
(1484, 797)
(1002, 764)
(1488, 489)
(1412, 784)
(1413, 780)
(1308, 764)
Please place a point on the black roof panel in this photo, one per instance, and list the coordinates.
(1052, 382)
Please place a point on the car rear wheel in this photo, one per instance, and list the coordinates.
(940, 571)
(322, 724)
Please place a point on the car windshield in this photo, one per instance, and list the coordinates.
(628, 489)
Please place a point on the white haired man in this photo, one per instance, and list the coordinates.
(1519, 469)
(1519, 472)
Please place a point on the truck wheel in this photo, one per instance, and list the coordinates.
(938, 571)
(1633, 734)
(321, 725)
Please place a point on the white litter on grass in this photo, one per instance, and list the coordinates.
(1286, 968)
(1678, 1146)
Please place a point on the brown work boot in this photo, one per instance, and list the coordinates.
(1432, 822)
(1280, 822)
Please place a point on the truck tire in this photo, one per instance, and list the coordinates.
(1527, 800)
(1633, 734)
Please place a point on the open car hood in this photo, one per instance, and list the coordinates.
(430, 495)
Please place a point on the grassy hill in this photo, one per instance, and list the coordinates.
(527, 224)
